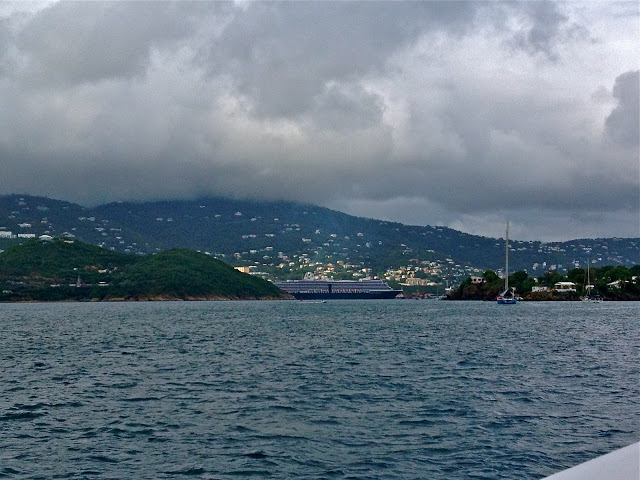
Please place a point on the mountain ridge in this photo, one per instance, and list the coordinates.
(285, 238)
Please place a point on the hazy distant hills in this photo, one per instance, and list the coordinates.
(265, 234)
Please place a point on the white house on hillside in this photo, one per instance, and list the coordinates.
(565, 287)
(539, 289)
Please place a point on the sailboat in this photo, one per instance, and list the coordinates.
(508, 297)
(588, 287)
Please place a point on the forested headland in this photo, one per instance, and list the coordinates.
(59, 269)
(608, 282)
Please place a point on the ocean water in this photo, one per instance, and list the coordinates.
(393, 389)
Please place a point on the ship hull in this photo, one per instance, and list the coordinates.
(311, 288)
(383, 295)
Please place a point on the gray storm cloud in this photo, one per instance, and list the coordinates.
(623, 124)
(456, 113)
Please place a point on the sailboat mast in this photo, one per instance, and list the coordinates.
(506, 263)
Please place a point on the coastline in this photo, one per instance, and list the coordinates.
(153, 298)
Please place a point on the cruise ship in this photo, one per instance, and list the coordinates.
(312, 288)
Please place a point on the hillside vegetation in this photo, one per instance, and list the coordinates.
(286, 239)
(72, 270)
(59, 260)
(185, 274)
(608, 283)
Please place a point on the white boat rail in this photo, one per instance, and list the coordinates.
(621, 464)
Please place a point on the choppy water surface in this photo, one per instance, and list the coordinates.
(358, 390)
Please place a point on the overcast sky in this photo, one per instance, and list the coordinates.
(430, 113)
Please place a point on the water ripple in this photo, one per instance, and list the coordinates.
(343, 390)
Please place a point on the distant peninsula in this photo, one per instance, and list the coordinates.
(55, 269)
(611, 283)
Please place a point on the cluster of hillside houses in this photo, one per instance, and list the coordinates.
(11, 235)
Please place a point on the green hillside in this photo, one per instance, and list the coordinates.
(71, 270)
(286, 240)
(609, 283)
(184, 273)
(59, 259)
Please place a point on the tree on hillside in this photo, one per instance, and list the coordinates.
(578, 275)
(490, 276)
(549, 279)
(521, 281)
